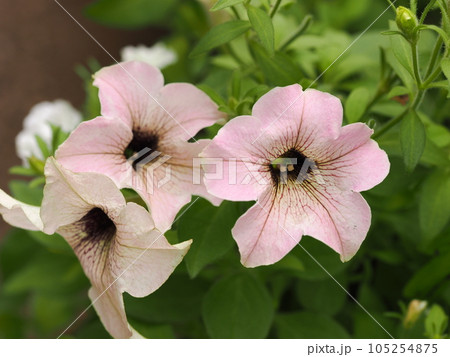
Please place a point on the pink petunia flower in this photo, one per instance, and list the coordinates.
(116, 242)
(304, 170)
(141, 141)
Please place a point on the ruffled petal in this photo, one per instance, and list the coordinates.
(143, 259)
(98, 146)
(19, 214)
(68, 196)
(108, 302)
(233, 163)
(128, 90)
(265, 234)
(186, 111)
(354, 161)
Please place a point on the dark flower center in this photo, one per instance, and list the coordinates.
(290, 167)
(141, 148)
(97, 226)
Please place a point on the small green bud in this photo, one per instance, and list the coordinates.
(407, 22)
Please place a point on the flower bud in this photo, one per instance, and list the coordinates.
(415, 309)
(407, 22)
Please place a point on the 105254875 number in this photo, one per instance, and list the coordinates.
(403, 348)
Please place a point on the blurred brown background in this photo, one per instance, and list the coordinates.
(40, 46)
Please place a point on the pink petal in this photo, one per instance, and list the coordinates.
(108, 302)
(305, 118)
(264, 234)
(339, 219)
(20, 214)
(354, 161)
(68, 196)
(127, 90)
(98, 146)
(143, 259)
(186, 111)
(232, 152)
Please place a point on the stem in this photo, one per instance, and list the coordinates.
(416, 64)
(302, 28)
(392, 5)
(413, 6)
(275, 8)
(434, 55)
(425, 11)
(236, 13)
(399, 117)
(432, 77)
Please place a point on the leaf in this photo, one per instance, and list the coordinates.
(129, 14)
(22, 191)
(445, 65)
(427, 277)
(210, 227)
(279, 70)
(412, 139)
(401, 49)
(222, 4)
(436, 322)
(434, 206)
(356, 104)
(220, 35)
(263, 26)
(238, 307)
(397, 91)
(308, 325)
(323, 296)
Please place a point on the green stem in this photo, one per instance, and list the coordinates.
(425, 11)
(399, 117)
(416, 64)
(432, 77)
(392, 5)
(434, 56)
(236, 13)
(413, 6)
(302, 28)
(275, 8)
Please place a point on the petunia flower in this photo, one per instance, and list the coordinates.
(141, 141)
(158, 55)
(38, 122)
(116, 242)
(304, 170)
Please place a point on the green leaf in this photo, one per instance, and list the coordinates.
(402, 50)
(434, 206)
(22, 191)
(129, 14)
(210, 227)
(425, 279)
(279, 69)
(323, 296)
(263, 26)
(238, 307)
(23, 171)
(445, 65)
(412, 139)
(398, 91)
(356, 104)
(222, 4)
(436, 322)
(45, 150)
(308, 325)
(220, 35)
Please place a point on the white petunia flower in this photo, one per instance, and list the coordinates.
(38, 122)
(159, 55)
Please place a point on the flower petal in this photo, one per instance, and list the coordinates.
(186, 111)
(108, 302)
(20, 214)
(127, 90)
(143, 259)
(68, 196)
(354, 161)
(233, 163)
(264, 233)
(98, 146)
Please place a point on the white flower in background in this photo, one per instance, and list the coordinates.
(38, 122)
(159, 55)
